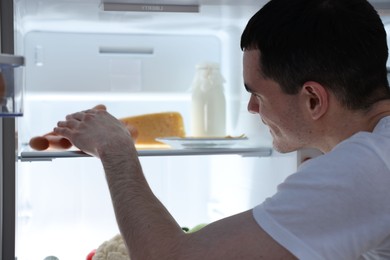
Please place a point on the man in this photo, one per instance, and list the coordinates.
(316, 70)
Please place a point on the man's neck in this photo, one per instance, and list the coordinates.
(341, 124)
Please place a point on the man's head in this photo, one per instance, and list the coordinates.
(340, 44)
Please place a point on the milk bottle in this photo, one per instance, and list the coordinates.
(208, 102)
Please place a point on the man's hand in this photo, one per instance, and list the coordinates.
(95, 131)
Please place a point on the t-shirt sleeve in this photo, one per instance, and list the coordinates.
(283, 235)
(329, 210)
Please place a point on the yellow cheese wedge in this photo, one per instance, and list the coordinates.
(152, 126)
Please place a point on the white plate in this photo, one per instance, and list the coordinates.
(194, 142)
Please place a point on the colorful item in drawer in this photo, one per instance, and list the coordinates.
(154, 125)
(113, 249)
(2, 88)
(91, 254)
(197, 228)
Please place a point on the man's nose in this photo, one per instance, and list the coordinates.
(253, 106)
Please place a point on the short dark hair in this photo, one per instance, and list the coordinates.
(339, 43)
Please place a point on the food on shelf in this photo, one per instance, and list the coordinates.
(144, 129)
(154, 125)
(52, 140)
(49, 140)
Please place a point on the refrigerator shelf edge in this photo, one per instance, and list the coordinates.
(245, 152)
(11, 60)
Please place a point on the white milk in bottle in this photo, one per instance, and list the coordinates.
(208, 102)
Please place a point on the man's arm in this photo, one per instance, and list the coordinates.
(148, 229)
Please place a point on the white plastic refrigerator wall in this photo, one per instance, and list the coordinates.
(135, 62)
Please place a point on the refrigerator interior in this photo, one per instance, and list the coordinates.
(77, 56)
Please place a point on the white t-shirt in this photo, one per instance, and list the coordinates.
(336, 206)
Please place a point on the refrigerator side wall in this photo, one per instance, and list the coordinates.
(8, 157)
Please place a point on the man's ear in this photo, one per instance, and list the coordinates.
(316, 99)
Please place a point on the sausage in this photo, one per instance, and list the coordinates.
(39, 143)
(57, 142)
(52, 140)
(49, 140)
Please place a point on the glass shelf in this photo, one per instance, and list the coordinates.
(30, 156)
